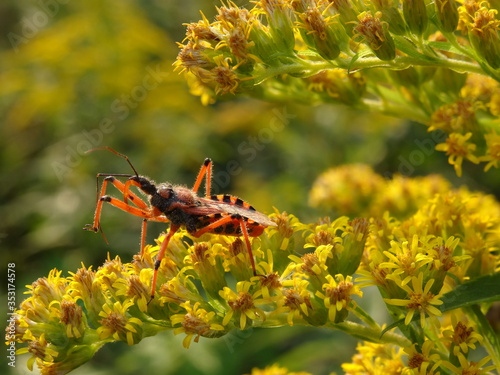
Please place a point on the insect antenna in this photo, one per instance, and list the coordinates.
(116, 153)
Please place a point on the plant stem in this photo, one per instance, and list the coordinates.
(371, 334)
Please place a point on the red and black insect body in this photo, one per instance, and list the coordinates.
(182, 207)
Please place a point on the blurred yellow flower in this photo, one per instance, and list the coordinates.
(458, 148)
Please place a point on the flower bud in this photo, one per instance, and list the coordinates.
(447, 15)
(239, 260)
(415, 15)
(280, 20)
(354, 244)
(264, 46)
(319, 34)
(391, 15)
(376, 34)
(208, 264)
(346, 14)
(484, 36)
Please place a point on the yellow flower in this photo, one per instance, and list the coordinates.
(86, 287)
(242, 304)
(470, 367)
(456, 117)
(111, 270)
(461, 336)
(493, 151)
(420, 300)
(117, 324)
(271, 284)
(47, 289)
(235, 25)
(494, 104)
(276, 370)
(337, 296)
(348, 189)
(422, 361)
(442, 254)
(41, 350)
(402, 196)
(196, 322)
(458, 149)
(178, 290)
(296, 301)
(72, 318)
(375, 358)
(201, 30)
(223, 76)
(405, 259)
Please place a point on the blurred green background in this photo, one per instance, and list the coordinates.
(77, 75)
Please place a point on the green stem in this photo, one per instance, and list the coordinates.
(307, 67)
(397, 110)
(365, 317)
(370, 333)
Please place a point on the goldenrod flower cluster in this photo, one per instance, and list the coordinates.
(433, 62)
(276, 370)
(356, 190)
(312, 274)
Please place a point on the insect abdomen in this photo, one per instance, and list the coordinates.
(229, 199)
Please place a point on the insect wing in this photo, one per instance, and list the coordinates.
(210, 207)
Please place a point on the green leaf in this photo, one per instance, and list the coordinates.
(480, 290)
(444, 46)
(411, 49)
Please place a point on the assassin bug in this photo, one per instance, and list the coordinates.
(182, 207)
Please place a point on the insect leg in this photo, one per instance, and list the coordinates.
(206, 169)
(244, 231)
(143, 235)
(161, 254)
(144, 226)
(144, 213)
(127, 194)
(120, 186)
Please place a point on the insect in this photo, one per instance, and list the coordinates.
(182, 207)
